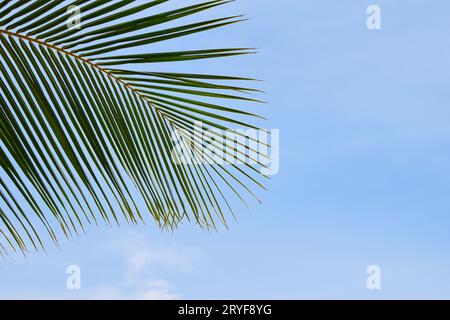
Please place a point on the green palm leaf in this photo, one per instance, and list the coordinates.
(86, 137)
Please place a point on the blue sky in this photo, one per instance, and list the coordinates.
(364, 170)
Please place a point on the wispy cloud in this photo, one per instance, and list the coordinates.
(126, 264)
(144, 262)
(148, 290)
(158, 290)
(169, 257)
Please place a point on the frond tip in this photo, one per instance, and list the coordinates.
(83, 142)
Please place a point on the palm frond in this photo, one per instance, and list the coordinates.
(87, 138)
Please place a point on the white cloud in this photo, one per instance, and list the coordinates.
(123, 265)
(167, 257)
(144, 262)
(158, 290)
(157, 295)
(149, 290)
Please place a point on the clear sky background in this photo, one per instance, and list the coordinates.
(364, 171)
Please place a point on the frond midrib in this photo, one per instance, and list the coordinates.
(80, 58)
